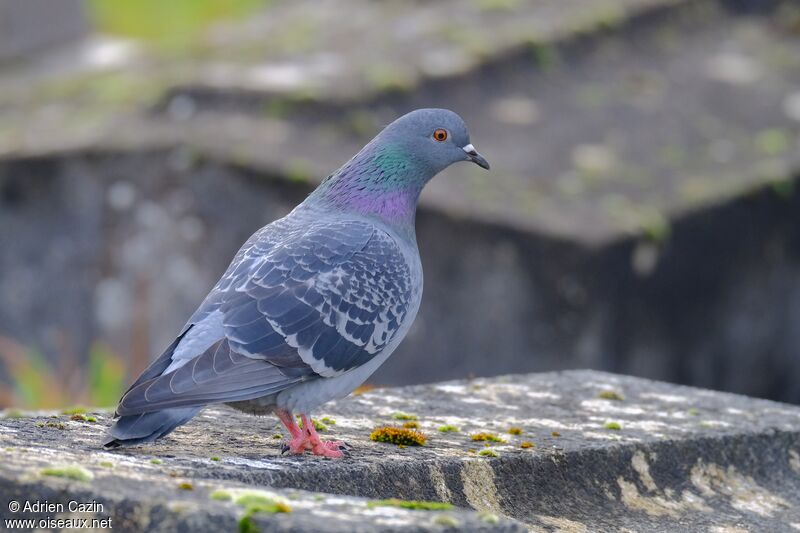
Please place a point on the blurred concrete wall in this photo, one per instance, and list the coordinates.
(28, 26)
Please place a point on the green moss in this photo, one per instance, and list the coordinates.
(496, 5)
(298, 171)
(489, 518)
(399, 415)
(389, 78)
(488, 437)
(73, 472)
(526, 444)
(79, 417)
(56, 425)
(514, 431)
(488, 453)
(693, 411)
(411, 424)
(248, 525)
(615, 426)
(784, 188)
(156, 461)
(12, 413)
(610, 395)
(106, 464)
(328, 420)
(215, 458)
(772, 141)
(221, 495)
(277, 436)
(398, 436)
(445, 520)
(319, 426)
(362, 123)
(77, 410)
(447, 428)
(543, 55)
(258, 503)
(416, 505)
(186, 486)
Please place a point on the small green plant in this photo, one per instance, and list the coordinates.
(221, 495)
(399, 415)
(610, 395)
(447, 428)
(488, 452)
(486, 437)
(411, 424)
(156, 461)
(416, 505)
(215, 458)
(614, 426)
(489, 518)
(72, 472)
(514, 431)
(445, 520)
(319, 426)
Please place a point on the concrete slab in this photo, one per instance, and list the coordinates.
(607, 453)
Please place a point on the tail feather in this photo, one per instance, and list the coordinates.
(147, 427)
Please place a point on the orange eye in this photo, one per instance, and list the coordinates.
(440, 135)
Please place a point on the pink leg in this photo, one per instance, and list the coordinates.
(300, 440)
(318, 446)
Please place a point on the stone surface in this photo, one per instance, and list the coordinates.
(31, 26)
(641, 215)
(610, 453)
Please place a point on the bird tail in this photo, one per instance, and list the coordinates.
(147, 427)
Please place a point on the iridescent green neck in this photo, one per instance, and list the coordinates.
(382, 180)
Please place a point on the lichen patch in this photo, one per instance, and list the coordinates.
(794, 460)
(659, 504)
(742, 491)
(480, 488)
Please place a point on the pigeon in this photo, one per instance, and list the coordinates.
(313, 303)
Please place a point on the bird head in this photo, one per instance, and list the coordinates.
(434, 138)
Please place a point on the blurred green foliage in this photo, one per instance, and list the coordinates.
(37, 384)
(106, 380)
(173, 24)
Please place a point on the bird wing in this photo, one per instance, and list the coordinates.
(317, 302)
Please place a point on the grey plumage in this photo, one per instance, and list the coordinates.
(310, 305)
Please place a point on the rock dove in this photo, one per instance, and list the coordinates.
(313, 303)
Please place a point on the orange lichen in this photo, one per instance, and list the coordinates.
(398, 436)
(411, 425)
(555, 434)
(526, 444)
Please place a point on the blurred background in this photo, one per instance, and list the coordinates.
(641, 216)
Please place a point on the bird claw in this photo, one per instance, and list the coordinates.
(332, 448)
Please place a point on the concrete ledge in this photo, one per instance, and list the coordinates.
(609, 452)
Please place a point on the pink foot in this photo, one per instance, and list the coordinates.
(307, 438)
(332, 449)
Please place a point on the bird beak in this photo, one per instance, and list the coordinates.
(475, 157)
